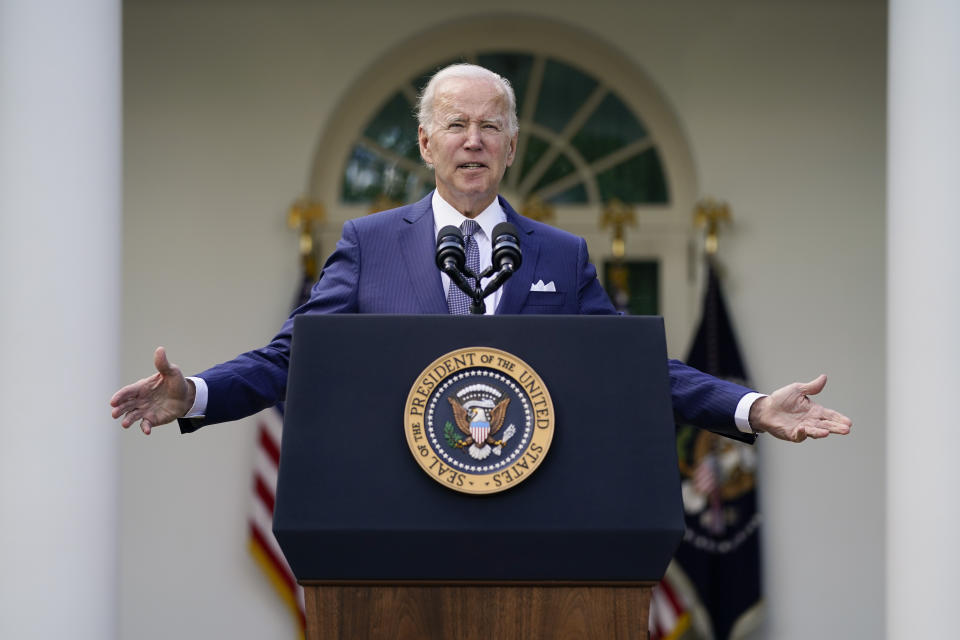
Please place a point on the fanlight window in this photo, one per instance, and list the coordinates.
(579, 142)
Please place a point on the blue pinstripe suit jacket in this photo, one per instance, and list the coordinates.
(384, 263)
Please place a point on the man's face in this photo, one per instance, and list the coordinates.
(468, 143)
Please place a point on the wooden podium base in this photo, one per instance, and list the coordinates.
(426, 611)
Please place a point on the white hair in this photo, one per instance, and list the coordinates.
(472, 71)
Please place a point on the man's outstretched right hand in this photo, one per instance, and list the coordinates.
(159, 399)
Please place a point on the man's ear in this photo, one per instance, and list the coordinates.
(424, 141)
(513, 149)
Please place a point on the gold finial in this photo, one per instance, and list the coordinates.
(303, 215)
(618, 215)
(536, 209)
(711, 213)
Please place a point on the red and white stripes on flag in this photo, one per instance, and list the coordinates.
(705, 475)
(669, 617)
(263, 545)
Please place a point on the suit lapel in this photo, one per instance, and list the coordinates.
(517, 288)
(418, 246)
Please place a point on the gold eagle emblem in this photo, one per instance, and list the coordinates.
(479, 427)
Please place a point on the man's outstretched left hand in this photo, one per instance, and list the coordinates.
(789, 414)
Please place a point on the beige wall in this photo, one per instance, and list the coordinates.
(783, 105)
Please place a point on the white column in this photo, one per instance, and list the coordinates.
(923, 331)
(59, 316)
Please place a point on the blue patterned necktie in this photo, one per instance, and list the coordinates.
(457, 301)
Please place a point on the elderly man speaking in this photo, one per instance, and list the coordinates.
(384, 263)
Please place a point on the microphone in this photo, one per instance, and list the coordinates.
(451, 259)
(506, 248)
(506, 257)
(450, 251)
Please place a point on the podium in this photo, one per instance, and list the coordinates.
(385, 550)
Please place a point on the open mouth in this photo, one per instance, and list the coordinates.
(472, 165)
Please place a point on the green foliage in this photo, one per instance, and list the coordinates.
(452, 436)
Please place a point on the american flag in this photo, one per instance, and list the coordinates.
(705, 475)
(263, 545)
(669, 615)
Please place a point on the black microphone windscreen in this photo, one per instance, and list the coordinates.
(448, 231)
(506, 246)
(505, 228)
(450, 250)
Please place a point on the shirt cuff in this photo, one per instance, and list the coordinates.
(741, 417)
(199, 408)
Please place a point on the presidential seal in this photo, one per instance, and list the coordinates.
(479, 420)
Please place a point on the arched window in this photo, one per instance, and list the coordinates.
(579, 142)
(594, 129)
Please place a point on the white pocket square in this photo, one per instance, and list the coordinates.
(539, 286)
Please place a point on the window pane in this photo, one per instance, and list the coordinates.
(363, 178)
(368, 176)
(560, 168)
(515, 67)
(563, 91)
(637, 180)
(609, 128)
(535, 148)
(395, 127)
(573, 195)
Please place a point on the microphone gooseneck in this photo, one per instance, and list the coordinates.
(451, 258)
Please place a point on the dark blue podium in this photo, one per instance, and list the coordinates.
(387, 551)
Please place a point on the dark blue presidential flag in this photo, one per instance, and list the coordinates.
(716, 570)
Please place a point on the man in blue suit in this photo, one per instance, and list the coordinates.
(385, 264)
